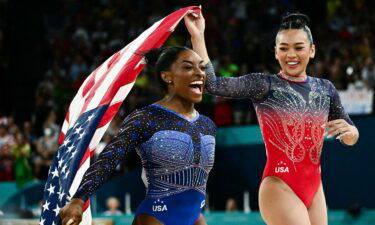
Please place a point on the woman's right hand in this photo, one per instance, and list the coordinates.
(71, 213)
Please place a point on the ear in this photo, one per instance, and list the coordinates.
(167, 77)
(312, 51)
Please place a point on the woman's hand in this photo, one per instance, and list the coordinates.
(195, 23)
(343, 131)
(71, 213)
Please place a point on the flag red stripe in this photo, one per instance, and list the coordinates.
(90, 83)
(93, 91)
(86, 205)
(114, 60)
(110, 113)
(61, 138)
(154, 40)
(85, 157)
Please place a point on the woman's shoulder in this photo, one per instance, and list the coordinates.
(207, 121)
(321, 81)
(148, 111)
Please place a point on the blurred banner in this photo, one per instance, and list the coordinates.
(357, 101)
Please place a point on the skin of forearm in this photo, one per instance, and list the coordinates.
(199, 46)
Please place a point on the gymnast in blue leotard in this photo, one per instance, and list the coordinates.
(175, 143)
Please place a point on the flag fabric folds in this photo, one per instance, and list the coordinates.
(91, 112)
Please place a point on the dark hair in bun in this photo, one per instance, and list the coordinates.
(162, 59)
(296, 21)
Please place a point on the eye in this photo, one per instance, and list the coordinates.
(283, 49)
(299, 48)
(203, 68)
(188, 67)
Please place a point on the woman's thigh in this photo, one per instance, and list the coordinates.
(279, 205)
(318, 209)
(201, 221)
(144, 219)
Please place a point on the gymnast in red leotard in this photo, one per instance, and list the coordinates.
(293, 110)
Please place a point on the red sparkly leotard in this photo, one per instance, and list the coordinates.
(291, 115)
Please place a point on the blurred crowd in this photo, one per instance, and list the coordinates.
(80, 35)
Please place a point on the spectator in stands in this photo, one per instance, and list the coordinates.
(21, 151)
(231, 205)
(113, 207)
(6, 158)
(46, 146)
(368, 72)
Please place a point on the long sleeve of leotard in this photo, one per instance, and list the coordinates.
(336, 110)
(253, 86)
(133, 131)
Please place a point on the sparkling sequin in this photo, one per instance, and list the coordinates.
(291, 114)
(176, 153)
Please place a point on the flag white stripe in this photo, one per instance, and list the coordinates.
(117, 68)
(79, 100)
(122, 93)
(65, 127)
(98, 136)
(102, 70)
(78, 177)
(86, 217)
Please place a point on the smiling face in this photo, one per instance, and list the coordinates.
(186, 77)
(293, 50)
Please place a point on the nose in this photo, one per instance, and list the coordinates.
(291, 54)
(200, 72)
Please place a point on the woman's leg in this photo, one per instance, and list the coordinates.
(201, 221)
(144, 219)
(279, 205)
(318, 209)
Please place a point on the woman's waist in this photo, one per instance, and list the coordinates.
(177, 177)
(188, 199)
(292, 169)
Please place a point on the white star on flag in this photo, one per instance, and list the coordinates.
(55, 173)
(70, 148)
(78, 130)
(57, 209)
(61, 195)
(51, 189)
(45, 206)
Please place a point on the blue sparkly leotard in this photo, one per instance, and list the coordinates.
(291, 115)
(177, 155)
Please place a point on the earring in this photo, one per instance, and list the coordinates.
(169, 81)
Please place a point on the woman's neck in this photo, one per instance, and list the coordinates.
(178, 105)
(301, 78)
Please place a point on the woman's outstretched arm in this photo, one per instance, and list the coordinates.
(253, 86)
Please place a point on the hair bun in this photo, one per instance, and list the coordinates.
(153, 55)
(295, 19)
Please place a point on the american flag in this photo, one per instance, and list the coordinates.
(90, 113)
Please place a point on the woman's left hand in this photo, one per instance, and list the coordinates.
(343, 131)
(195, 23)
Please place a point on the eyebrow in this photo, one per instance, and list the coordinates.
(298, 43)
(187, 61)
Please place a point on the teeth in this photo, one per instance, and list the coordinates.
(199, 82)
(292, 63)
